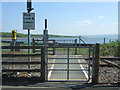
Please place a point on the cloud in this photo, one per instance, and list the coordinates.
(101, 17)
(84, 22)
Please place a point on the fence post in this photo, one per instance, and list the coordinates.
(42, 64)
(54, 48)
(33, 43)
(104, 41)
(75, 46)
(95, 73)
(118, 50)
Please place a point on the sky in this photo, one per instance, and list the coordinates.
(64, 18)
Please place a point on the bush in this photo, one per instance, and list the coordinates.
(110, 49)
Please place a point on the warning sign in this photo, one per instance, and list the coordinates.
(29, 21)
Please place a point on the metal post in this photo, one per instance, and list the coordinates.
(29, 8)
(79, 43)
(89, 63)
(64, 48)
(33, 43)
(93, 59)
(13, 43)
(45, 40)
(29, 45)
(54, 48)
(68, 65)
(43, 64)
(104, 40)
(75, 46)
(95, 76)
(79, 39)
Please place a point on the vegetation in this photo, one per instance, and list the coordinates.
(20, 35)
(110, 49)
(5, 44)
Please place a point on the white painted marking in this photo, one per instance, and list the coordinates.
(50, 72)
(81, 66)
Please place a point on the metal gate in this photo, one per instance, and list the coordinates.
(70, 63)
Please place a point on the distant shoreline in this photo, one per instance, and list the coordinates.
(8, 35)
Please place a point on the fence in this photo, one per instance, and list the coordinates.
(8, 59)
(19, 59)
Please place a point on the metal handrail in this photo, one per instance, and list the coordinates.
(21, 47)
(10, 62)
(21, 70)
(20, 55)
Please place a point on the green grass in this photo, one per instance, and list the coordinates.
(83, 51)
(80, 51)
(5, 44)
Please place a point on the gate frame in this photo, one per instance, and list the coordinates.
(68, 47)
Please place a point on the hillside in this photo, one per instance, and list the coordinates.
(21, 35)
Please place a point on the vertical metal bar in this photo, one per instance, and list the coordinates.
(29, 49)
(68, 65)
(93, 60)
(79, 43)
(89, 64)
(54, 48)
(104, 41)
(13, 44)
(33, 43)
(45, 40)
(28, 9)
(64, 48)
(28, 37)
(45, 24)
(43, 65)
(46, 62)
(75, 46)
(79, 39)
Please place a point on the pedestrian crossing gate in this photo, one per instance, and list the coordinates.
(70, 63)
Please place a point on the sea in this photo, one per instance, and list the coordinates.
(83, 39)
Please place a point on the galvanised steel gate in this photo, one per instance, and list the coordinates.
(66, 66)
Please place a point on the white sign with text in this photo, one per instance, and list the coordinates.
(29, 21)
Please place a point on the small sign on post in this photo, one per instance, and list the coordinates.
(29, 21)
(13, 34)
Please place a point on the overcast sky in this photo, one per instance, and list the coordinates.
(64, 18)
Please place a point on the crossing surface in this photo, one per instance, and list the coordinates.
(67, 69)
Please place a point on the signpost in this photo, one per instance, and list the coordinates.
(29, 23)
(13, 43)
